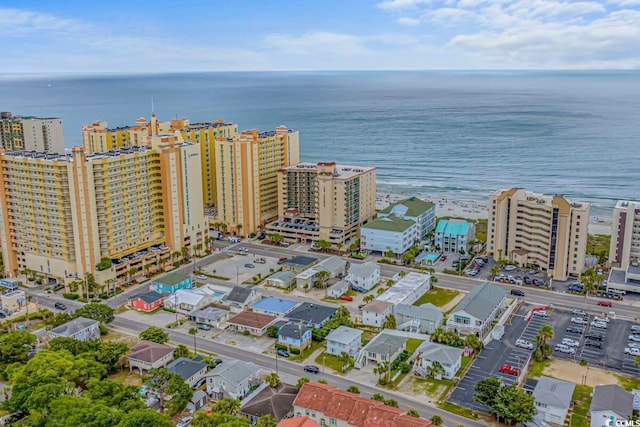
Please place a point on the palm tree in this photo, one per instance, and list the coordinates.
(382, 371)
(438, 335)
(239, 228)
(227, 406)
(184, 251)
(473, 342)
(380, 291)
(272, 379)
(389, 322)
(194, 331)
(322, 276)
(435, 370)
(347, 360)
(368, 298)
(495, 270)
(378, 396)
(545, 334)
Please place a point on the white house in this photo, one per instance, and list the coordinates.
(454, 234)
(365, 275)
(383, 347)
(374, 313)
(475, 313)
(240, 298)
(233, 378)
(335, 266)
(553, 399)
(344, 340)
(80, 328)
(423, 319)
(609, 404)
(414, 209)
(281, 279)
(338, 289)
(408, 289)
(450, 358)
(186, 300)
(388, 234)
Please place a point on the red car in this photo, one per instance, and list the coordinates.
(605, 303)
(443, 257)
(283, 260)
(508, 369)
(346, 298)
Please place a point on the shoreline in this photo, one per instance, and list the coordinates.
(473, 210)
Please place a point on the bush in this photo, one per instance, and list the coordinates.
(103, 330)
(281, 347)
(70, 296)
(294, 351)
(246, 333)
(39, 281)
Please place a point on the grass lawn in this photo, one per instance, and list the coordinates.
(458, 410)
(582, 398)
(628, 383)
(598, 243)
(307, 352)
(329, 361)
(481, 229)
(436, 389)
(412, 345)
(463, 364)
(126, 378)
(437, 297)
(536, 368)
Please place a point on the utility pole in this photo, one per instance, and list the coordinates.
(276, 360)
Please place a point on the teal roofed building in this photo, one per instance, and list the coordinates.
(414, 209)
(454, 234)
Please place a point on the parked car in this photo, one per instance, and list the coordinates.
(579, 321)
(601, 319)
(443, 257)
(541, 313)
(634, 338)
(524, 344)
(593, 344)
(633, 344)
(282, 260)
(248, 265)
(283, 353)
(632, 351)
(201, 277)
(260, 261)
(186, 421)
(359, 289)
(574, 330)
(346, 298)
(517, 292)
(217, 361)
(312, 369)
(204, 327)
(509, 267)
(635, 328)
(508, 369)
(527, 280)
(605, 303)
(12, 418)
(563, 348)
(60, 306)
(600, 325)
(594, 336)
(570, 342)
(577, 312)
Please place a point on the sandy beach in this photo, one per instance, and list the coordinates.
(474, 210)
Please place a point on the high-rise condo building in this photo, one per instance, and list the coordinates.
(247, 180)
(97, 137)
(324, 201)
(114, 214)
(625, 235)
(30, 133)
(535, 229)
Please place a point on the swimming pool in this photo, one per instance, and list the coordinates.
(432, 257)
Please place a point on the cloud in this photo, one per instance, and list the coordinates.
(408, 21)
(16, 22)
(317, 42)
(401, 4)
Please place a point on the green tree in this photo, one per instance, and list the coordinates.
(167, 384)
(70, 410)
(474, 343)
(436, 420)
(435, 370)
(368, 298)
(144, 418)
(276, 238)
(15, 346)
(408, 257)
(346, 360)
(302, 381)
(181, 351)
(97, 311)
(322, 276)
(227, 406)
(272, 379)
(109, 353)
(389, 254)
(545, 334)
(114, 394)
(389, 322)
(217, 419)
(194, 332)
(378, 396)
(391, 402)
(495, 270)
(353, 389)
(637, 360)
(322, 245)
(486, 390)
(513, 405)
(154, 334)
(267, 421)
(413, 413)
(272, 331)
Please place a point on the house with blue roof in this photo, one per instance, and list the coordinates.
(454, 234)
(274, 306)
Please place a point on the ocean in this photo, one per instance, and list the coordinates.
(439, 134)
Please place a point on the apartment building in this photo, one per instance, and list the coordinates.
(31, 133)
(324, 201)
(247, 182)
(625, 235)
(97, 137)
(530, 228)
(108, 214)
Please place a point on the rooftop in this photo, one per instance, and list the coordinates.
(553, 392)
(426, 311)
(312, 313)
(397, 293)
(74, 326)
(453, 227)
(148, 297)
(344, 334)
(252, 319)
(332, 264)
(390, 223)
(365, 269)
(235, 371)
(283, 276)
(186, 368)
(292, 330)
(342, 284)
(187, 296)
(300, 261)
(612, 397)
(274, 401)
(481, 301)
(209, 313)
(274, 305)
(384, 343)
(412, 207)
(443, 354)
(172, 279)
(377, 306)
(342, 171)
(149, 352)
(239, 294)
(298, 422)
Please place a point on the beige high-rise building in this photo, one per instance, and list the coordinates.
(116, 214)
(247, 183)
(31, 133)
(625, 235)
(324, 201)
(536, 229)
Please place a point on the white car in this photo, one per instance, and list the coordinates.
(601, 325)
(570, 342)
(541, 313)
(601, 319)
(186, 421)
(632, 351)
(635, 328)
(509, 268)
(633, 344)
(563, 348)
(579, 312)
(202, 277)
(578, 321)
(524, 344)
(634, 338)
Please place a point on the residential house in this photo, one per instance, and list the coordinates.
(423, 319)
(274, 401)
(186, 300)
(454, 235)
(335, 266)
(234, 379)
(408, 289)
(331, 406)
(147, 355)
(80, 328)
(147, 301)
(13, 301)
(344, 340)
(610, 404)
(274, 306)
(450, 358)
(255, 323)
(414, 209)
(475, 313)
(388, 234)
(385, 346)
(375, 312)
(210, 316)
(365, 275)
(198, 401)
(190, 370)
(281, 279)
(311, 314)
(294, 335)
(338, 289)
(171, 283)
(553, 399)
(240, 298)
(299, 263)
(298, 422)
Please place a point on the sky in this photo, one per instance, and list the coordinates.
(253, 35)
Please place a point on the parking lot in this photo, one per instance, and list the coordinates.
(237, 269)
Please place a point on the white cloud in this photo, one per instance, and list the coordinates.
(318, 43)
(405, 20)
(16, 21)
(401, 4)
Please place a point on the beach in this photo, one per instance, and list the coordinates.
(474, 210)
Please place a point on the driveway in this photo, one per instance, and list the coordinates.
(248, 343)
(160, 318)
